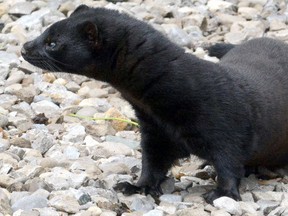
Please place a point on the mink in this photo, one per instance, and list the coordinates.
(233, 114)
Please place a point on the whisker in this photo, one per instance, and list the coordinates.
(54, 60)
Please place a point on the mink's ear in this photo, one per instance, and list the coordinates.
(80, 9)
(91, 33)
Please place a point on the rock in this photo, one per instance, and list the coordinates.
(192, 212)
(88, 165)
(228, 204)
(87, 111)
(60, 81)
(268, 195)
(228, 19)
(30, 171)
(170, 198)
(220, 212)
(247, 197)
(99, 192)
(9, 158)
(8, 61)
(47, 107)
(219, 5)
(27, 94)
(248, 12)
(85, 91)
(168, 208)
(33, 20)
(6, 100)
(66, 7)
(65, 203)
(48, 163)
(52, 17)
(154, 213)
(75, 133)
(32, 185)
(276, 25)
(248, 30)
(22, 8)
(123, 106)
(71, 152)
(3, 121)
(28, 203)
(266, 206)
(48, 211)
(59, 94)
(131, 135)
(94, 211)
(107, 149)
(99, 129)
(4, 145)
(23, 108)
(117, 124)
(248, 184)
(61, 179)
(6, 181)
(280, 35)
(100, 104)
(72, 86)
(15, 76)
(192, 198)
(5, 207)
(83, 198)
(248, 208)
(177, 35)
(142, 204)
(3, 9)
(13, 89)
(20, 121)
(279, 211)
(42, 142)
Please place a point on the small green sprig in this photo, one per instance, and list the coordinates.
(106, 119)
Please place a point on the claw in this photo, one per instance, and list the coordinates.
(127, 188)
(216, 193)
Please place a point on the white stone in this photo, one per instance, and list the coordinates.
(228, 204)
(65, 203)
(49, 108)
(75, 133)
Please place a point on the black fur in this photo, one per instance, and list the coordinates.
(219, 50)
(232, 114)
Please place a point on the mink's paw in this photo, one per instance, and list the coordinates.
(216, 193)
(153, 191)
(126, 188)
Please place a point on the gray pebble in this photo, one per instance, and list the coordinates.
(29, 202)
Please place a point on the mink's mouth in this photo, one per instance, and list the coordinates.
(42, 62)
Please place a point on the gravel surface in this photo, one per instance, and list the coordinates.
(53, 163)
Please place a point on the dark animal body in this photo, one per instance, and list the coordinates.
(232, 114)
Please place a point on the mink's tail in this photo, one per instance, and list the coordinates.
(220, 49)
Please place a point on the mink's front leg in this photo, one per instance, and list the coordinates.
(158, 154)
(229, 172)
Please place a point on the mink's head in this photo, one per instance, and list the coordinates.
(82, 44)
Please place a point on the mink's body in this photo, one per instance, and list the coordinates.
(232, 114)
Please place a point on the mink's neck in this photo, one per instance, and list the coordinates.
(141, 60)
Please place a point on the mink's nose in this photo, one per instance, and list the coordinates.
(27, 47)
(23, 51)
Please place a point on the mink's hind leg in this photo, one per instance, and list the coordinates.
(158, 155)
(228, 179)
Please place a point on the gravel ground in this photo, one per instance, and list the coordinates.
(53, 163)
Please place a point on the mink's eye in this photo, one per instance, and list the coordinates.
(50, 45)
